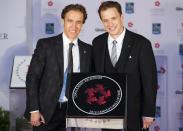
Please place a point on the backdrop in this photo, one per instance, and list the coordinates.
(24, 22)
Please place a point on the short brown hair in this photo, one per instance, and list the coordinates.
(109, 4)
(75, 7)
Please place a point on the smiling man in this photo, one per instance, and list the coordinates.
(122, 51)
(49, 71)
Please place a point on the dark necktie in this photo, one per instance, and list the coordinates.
(69, 68)
(70, 59)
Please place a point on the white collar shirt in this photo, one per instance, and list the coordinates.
(118, 45)
(75, 53)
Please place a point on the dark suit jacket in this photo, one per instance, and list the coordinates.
(45, 75)
(137, 60)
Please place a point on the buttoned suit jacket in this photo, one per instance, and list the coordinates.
(138, 62)
(45, 74)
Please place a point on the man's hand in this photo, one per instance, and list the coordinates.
(36, 119)
(147, 122)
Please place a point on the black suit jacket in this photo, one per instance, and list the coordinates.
(137, 60)
(45, 75)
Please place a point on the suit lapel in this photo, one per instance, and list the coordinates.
(102, 53)
(83, 56)
(59, 52)
(125, 51)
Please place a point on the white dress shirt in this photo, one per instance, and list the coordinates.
(118, 45)
(76, 62)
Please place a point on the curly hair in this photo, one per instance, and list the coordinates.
(75, 7)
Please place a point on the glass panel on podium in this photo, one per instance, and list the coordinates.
(96, 101)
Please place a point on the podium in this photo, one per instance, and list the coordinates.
(97, 101)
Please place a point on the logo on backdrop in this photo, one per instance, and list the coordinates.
(157, 9)
(179, 8)
(158, 111)
(99, 29)
(157, 128)
(181, 50)
(157, 45)
(130, 24)
(180, 91)
(156, 28)
(162, 70)
(21, 70)
(180, 114)
(129, 8)
(50, 3)
(97, 99)
(3, 36)
(180, 29)
(49, 28)
(182, 108)
(157, 3)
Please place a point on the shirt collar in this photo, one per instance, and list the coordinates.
(66, 40)
(119, 39)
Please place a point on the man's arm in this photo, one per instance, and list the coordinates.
(33, 78)
(149, 79)
(149, 83)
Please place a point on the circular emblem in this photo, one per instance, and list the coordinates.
(97, 95)
(50, 3)
(21, 70)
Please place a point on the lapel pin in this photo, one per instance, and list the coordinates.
(130, 57)
(84, 52)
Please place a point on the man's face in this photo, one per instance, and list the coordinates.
(112, 21)
(73, 23)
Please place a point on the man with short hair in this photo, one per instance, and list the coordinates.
(122, 51)
(50, 68)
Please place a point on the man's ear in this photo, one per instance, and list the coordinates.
(122, 16)
(62, 21)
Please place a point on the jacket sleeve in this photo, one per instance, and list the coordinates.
(34, 75)
(148, 74)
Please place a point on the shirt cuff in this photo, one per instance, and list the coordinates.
(148, 117)
(34, 111)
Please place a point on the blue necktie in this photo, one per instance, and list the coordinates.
(69, 68)
(70, 59)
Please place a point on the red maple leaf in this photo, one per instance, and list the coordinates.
(97, 95)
